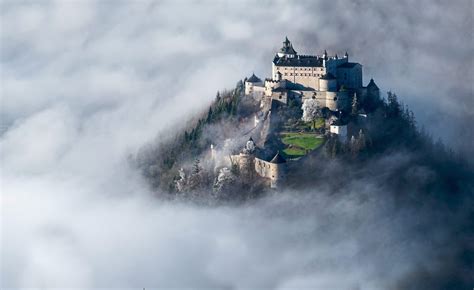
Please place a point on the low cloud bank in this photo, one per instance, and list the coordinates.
(86, 84)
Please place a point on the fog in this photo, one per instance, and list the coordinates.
(84, 85)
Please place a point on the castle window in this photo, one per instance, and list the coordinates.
(286, 74)
(335, 98)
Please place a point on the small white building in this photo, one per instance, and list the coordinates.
(339, 130)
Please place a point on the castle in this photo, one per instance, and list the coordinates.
(332, 81)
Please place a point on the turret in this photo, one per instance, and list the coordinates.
(277, 171)
(251, 82)
(346, 56)
(328, 83)
(287, 50)
(325, 58)
(373, 90)
(249, 146)
(278, 76)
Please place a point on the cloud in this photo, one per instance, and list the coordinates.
(85, 84)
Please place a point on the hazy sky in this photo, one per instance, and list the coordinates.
(84, 84)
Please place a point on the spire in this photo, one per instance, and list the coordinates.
(372, 84)
(346, 55)
(325, 55)
(287, 49)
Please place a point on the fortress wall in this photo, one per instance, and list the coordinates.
(343, 100)
(281, 97)
(275, 172)
(331, 64)
(307, 76)
(350, 77)
(320, 97)
(263, 168)
(253, 87)
(331, 101)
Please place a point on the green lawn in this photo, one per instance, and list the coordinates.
(297, 144)
(303, 140)
(294, 152)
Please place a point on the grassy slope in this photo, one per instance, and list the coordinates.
(297, 144)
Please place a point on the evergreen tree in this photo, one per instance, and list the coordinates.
(361, 141)
(393, 105)
(210, 115)
(355, 105)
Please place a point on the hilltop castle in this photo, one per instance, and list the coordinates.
(332, 81)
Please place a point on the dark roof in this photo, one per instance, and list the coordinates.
(372, 84)
(279, 89)
(278, 159)
(328, 76)
(348, 65)
(301, 60)
(254, 79)
(287, 47)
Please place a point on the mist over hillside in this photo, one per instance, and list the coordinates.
(86, 85)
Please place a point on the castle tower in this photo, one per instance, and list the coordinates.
(328, 83)
(373, 89)
(277, 171)
(278, 76)
(325, 58)
(251, 83)
(287, 49)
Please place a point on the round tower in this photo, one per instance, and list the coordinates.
(327, 83)
(277, 171)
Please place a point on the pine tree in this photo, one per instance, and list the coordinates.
(361, 141)
(210, 116)
(355, 105)
(196, 178)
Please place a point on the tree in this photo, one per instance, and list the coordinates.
(355, 105)
(196, 177)
(210, 116)
(181, 181)
(223, 181)
(394, 109)
(311, 111)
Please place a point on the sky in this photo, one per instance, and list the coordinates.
(85, 84)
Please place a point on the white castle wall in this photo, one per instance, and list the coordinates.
(275, 172)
